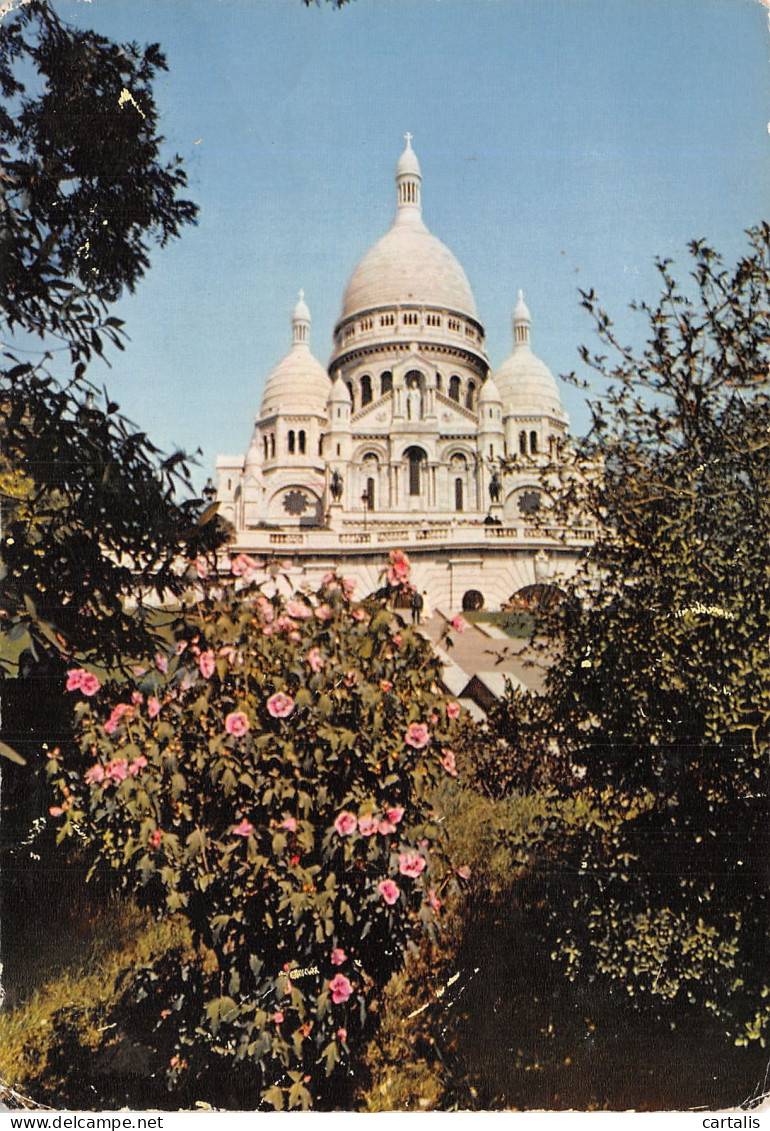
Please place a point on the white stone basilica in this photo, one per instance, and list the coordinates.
(398, 443)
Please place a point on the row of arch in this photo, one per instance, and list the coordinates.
(296, 443)
(454, 389)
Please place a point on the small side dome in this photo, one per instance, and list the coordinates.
(340, 393)
(526, 384)
(299, 384)
(489, 393)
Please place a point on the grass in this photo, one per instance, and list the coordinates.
(518, 625)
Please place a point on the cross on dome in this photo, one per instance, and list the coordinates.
(408, 140)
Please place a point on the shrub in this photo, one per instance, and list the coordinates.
(275, 781)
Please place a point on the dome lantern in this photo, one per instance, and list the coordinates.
(522, 323)
(408, 182)
(300, 323)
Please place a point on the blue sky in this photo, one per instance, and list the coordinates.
(563, 143)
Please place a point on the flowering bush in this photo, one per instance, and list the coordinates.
(274, 779)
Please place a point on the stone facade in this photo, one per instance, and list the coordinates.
(399, 442)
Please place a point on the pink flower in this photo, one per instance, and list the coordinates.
(161, 663)
(342, 1034)
(236, 723)
(181, 646)
(348, 586)
(389, 891)
(232, 655)
(245, 828)
(207, 664)
(117, 770)
(289, 823)
(280, 705)
(359, 615)
(328, 578)
(243, 566)
(56, 811)
(75, 679)
(339, 958)
(266, 610)
(315, 659)
(324, 612)
(278, 1017)
(459, 624)
(386, 685)
(89, 684)
(285, 624)
(367, 825)
(395, 814)
(396, 638)
(399, 568)
(418, 735)
(156, 838)
(351, 679)
(201, 567)
(448, 762)
(153, 707)
(385, 827)
(345, 824)
(464, 872)
(299, 610)
(137, 765)
(137, 698)
(434, 900)
(410, 863)
(341, 989)
(94, 775)
(139, 670)
(111, 725)
(433, 719)
(452, 710)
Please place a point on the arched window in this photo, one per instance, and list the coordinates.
(454, 389)
(416, 457)
(458, 494)
(272, 445)
(291, 443)
(439, 382)
(370, 494)
(366, 389)
(523, 443)
(302, 443)
(264, 445)
(386, 383)
(470, 395)
(533, 443)
(352, 396)
(320, 445)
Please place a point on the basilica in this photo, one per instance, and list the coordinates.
(406, 439)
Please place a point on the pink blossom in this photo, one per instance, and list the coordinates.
(348, 586)
(111, 725)
(464, 872)
(389, 890)
(367, 825)
(351, 679)
(410, 863)
(396, 638)
(448, 762)
(153, 707)
(418, 735)
(94, 775)
(339, 958)
(232, 655)
(117, 770)
(289, 823)
(118, 712)
(57, 810)
(315, 660)
(201, 567)
(137, 698)
(399, 568)
(207, 664)
(299, 610)
(137, 765)
(452, 710)
(385, 827)
(345, 824)
(434, 900)
(75, 679)
(341, 989)
(285, 624)
(459, 624)
(328, 578)
(139, 670)
(266, 610)
(236, 723)
(386, 685)
(156, 838)
(359, 615)
(324, 612)
(161, 663)
(295, 636)
(89, 684)
(181, 646)
(243, 566)
(245, 828)
(395, 814)
(433, 719)
(280, 705)
(342, 1034)
(278, 1017)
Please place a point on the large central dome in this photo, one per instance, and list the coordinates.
(408, 265)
